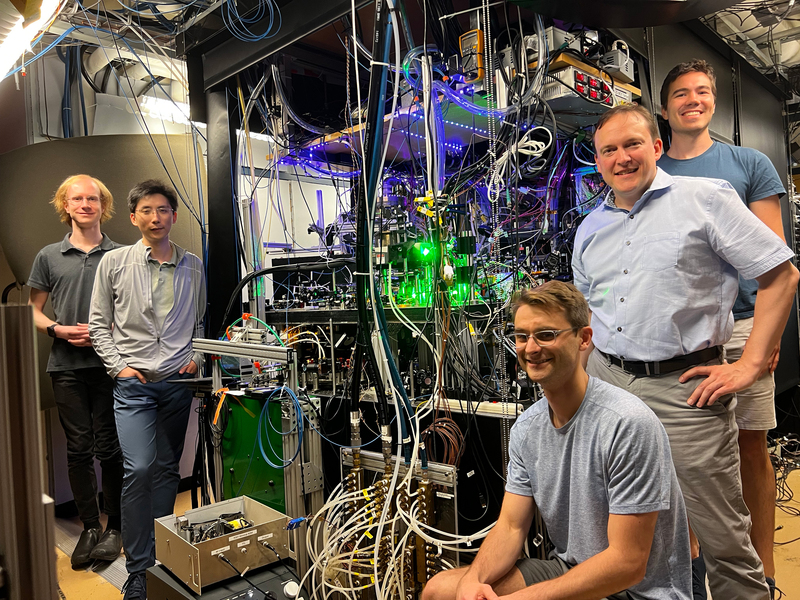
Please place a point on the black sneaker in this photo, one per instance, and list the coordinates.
(136, 586)
(699, 578)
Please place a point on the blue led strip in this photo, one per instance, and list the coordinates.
(468, 127)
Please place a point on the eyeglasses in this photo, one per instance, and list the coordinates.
(545, 337)
(162, 211)
(80, 200)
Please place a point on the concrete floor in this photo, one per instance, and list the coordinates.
(86, 585)
(787, 558)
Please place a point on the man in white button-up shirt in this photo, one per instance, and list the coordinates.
(658, 263)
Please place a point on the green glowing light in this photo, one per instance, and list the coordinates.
(426, 251)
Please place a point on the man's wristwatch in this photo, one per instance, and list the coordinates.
(51, 330)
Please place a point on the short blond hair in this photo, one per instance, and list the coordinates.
(60, 198)
(555, 296)
(629, 109)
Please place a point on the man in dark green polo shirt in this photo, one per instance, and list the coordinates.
(83, 391)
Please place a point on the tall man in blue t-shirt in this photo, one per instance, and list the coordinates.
(596, 462)
(688, 98)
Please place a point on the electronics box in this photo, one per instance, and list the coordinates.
(591, 96)
(198, 564)
(556, 40)
(619, 64)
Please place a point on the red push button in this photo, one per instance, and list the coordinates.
(580, 88)
(580, 76)
(594, 83)
(593, 94)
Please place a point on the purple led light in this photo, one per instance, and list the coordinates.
(468, 128)
(447, 145)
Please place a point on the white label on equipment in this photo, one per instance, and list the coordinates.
(239, 536)
(244, 543)
(471, 473)
(220, 550)
(444, 495)
(265, 537)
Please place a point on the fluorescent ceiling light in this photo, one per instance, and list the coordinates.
(166, 110)
(257, 136)
(19, 38)
(178, 112)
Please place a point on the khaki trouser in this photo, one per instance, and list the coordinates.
(704, 444)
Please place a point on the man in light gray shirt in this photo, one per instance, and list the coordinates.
(596, 462)
(148, 303)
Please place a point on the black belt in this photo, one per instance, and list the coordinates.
(662, 367)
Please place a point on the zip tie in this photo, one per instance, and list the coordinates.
(372, 63)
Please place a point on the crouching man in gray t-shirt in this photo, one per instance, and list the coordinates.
(596, 462)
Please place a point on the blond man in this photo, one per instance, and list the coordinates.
(64, 272)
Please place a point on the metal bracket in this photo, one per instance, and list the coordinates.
(373, 461)
(244, 350)
(312, 478)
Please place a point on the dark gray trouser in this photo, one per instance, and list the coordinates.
(705, 451)
(85, 402)
(535, 571)
(151, 420)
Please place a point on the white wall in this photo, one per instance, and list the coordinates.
(286, 209)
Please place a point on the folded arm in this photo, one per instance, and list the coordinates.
(776, 290)
(618, 567)
(500, 550)
(101, 320)
(199, 329)
(77, 335)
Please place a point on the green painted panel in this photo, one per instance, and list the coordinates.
(244, 470)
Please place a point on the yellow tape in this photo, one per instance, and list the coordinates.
(368, 534)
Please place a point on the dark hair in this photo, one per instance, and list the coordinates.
(635, 109)
(696, 65)
(555, 296)
(151, 187)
